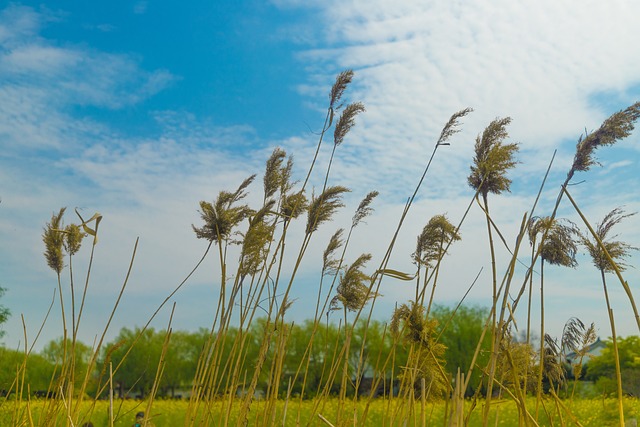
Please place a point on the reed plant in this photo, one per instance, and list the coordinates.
(259, 260)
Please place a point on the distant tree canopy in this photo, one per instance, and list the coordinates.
(4, 312)
(55, 350)
(135, 356)
(310, 352)
(38, 373)
(460, 334)
(602, 368)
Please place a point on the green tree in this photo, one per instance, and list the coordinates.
(135, 362)
(603, 370)
(4, 312)
(181, 360)
(382, 357)
(325, 337)
(37, 371)
(460, 331)
(56, 351)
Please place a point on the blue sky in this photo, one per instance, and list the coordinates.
(140, 110)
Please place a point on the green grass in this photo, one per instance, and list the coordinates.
(380, 412)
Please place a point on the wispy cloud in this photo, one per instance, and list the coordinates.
(416, 64)
(41, 79)
(140, 7)
(18, 22)
(535, 63)
(78, 76)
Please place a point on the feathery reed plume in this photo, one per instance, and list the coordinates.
(273, 175)
(453, 126)
(353, 292)
(575, 339)
(607, 255)
(559, 246)
(329, 263)
(585, 338)
(346, 121)
(589, 336)
(256, 240)
(617, 250)
(342, 81)
(515, 361)
(572, 335)
(364, 208)
(53, 238)
(222, 216)
(425, 359)
(619, 125)
(431, 241)
(293, 205)
(410, 323)
(431, 245)
(73, 236)
(552, 363)
(322, 208)
(493, 158)
(285, 176)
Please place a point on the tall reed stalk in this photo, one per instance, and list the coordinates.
(258, 272)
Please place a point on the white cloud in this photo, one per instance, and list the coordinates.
(416, 63)
(615, 166)
(534, 62)
(42, 60)
(17, 22)
(41, 79)
(540, 63)
(140, 7)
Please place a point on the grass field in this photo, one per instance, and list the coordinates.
(380, 412)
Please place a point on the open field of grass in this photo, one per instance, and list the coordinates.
(380, 412)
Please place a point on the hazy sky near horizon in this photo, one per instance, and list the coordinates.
(139, 110)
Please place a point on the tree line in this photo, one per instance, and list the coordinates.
(135, 362)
